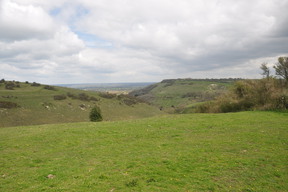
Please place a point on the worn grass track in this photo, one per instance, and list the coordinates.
(245, 151)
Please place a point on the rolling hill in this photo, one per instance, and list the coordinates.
(181, 95)
(32, 103)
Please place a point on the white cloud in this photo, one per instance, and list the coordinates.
(128, 40)
(19, 22)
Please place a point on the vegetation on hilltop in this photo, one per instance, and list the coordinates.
(269, 93)
(264, 94)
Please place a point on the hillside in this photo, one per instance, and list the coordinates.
(178, 94)
(108, 87)
(32, 103)
(244, 151)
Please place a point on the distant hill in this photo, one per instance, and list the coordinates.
(32, 103)
(109, 87)
(181, 95)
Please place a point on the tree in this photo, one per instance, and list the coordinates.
(281, 68)
(265, 70)
(95, 114)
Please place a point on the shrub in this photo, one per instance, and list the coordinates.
(10, 85)
(129, 102)
(95, 114)
(71, 95)
(264, 94)
(48, 87)
(132, 183)
(8, 105)
(107, 95)
(129, 99)
(93, 99)
(34, 84)
(59, 97)
(83, 97)
(191, 95)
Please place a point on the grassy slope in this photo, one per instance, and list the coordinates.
(244, 151)
(34, 99)
(174, 92)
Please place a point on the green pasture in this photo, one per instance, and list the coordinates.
(245, 151)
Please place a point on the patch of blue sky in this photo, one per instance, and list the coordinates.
(90, 40)
(94, 41)
(81, 11)
(78, 12)
(55, 11)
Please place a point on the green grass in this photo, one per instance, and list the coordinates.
(245, 151)
(181, 93)
(39, 107)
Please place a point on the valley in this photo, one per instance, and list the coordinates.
(47, 142)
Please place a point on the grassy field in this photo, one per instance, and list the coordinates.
(38, 106)
(245, 151)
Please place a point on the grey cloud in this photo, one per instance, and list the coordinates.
(151, 39)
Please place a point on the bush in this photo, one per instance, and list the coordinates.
(10, 85)
(59, 97)
(83, 97)
(48, 87)
(264, 94)
(129, 100)
(93, 99)
(71, 95)
(107, 95)
(191, 95)
(8, 105)
(95, 114)
(34, 84)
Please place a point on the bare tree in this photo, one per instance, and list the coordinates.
(281, 68)
(265, 70)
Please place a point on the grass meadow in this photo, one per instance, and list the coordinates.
(246, 151)
(38, 106)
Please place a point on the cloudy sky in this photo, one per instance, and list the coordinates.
(101, 41)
